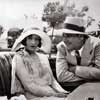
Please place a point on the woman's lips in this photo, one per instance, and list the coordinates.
(33, 47)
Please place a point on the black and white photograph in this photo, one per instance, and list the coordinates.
(49, 50)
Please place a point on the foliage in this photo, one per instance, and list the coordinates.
(72, 11)
(99, 24)
(89, 21)
(53, 14)
(1, 29)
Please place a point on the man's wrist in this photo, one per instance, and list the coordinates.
(72, 69)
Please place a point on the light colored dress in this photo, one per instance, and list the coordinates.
(31, 76)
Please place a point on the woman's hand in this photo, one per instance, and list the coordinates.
(61, 94)
(52, 92)
(20, 97)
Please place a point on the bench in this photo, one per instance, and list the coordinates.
(5, 73)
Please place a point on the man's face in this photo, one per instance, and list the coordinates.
(73, 42)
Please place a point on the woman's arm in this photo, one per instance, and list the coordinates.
(57, 87)
(28, 82)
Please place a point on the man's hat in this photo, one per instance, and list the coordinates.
(74, 25)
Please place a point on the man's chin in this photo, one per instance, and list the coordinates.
(70, 48)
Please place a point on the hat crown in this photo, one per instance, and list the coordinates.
(75, 21)
(74, 25)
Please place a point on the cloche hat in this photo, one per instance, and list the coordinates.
(45, 40)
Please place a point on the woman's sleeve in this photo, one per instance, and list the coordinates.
(27, 80)
(55, 85)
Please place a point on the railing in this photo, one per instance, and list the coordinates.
(3, 50)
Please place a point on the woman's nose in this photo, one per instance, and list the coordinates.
(34, 42)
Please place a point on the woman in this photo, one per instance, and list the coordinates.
(31, 73)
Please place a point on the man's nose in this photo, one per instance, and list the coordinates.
(67, 40)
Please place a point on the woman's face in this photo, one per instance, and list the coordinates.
(32, 42)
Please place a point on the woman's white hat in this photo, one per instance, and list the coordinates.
(45, 40)
(74, 25)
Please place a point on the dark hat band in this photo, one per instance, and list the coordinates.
(74, 27)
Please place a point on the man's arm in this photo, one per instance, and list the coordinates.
(92, 71)
(62, 67)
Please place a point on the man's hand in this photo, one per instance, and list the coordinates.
(69, 57)
(72, 69)
(63, 50)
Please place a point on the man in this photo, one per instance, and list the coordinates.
(13, 34)
(72, 67)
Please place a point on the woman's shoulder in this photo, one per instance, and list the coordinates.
(18, 55)
(21, 53)
(43, 56)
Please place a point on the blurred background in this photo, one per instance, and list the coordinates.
(48, 15)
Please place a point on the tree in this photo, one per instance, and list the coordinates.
(83, 11)
(99, 24)
(89, 21)
(1, 29)
(72, 11)
(53, 14)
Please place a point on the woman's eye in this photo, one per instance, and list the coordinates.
(36, 39)
(30, 38)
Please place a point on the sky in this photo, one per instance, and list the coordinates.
(14, 10)
(94, 6)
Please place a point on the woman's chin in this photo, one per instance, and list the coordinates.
(31, 50)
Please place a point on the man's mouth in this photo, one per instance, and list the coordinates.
(68, 43)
